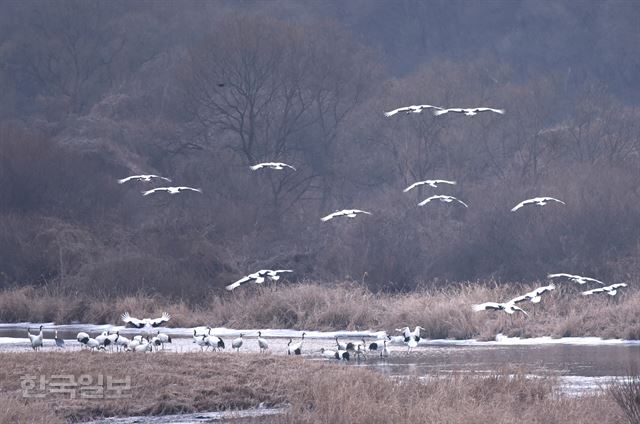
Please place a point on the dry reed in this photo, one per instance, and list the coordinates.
(444, 313)
(315, 392)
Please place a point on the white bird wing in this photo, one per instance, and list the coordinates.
(598, 290)
(593, 280)
(543, 289)
(442, 198)
(521, 204)
(453, 109)
(400, 109)
(615, 286)
(199, 190)
(156, 322)
(436, 182)
(241, 281)
(420, 107)
(356, 211)
(331, 216)
(489, 109)
(154, 190)
(460, 201)
(511, 308)
(135, 322)
(524, 297)
(487, 306)
(553, 199)
(142, 177)
(279, 271)
(427, 200)
(562, 275)
(414, 185)
(288, 166)
(125, 180)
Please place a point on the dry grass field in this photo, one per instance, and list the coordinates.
(444, 313)
(313, 391)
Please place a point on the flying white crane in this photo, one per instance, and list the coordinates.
(349, 213)
(170, 190)
(576, 278)
(411, 109)
(431, 183)
(145, 323)
(468, 111)
(442, 198)
(246, 279)
(262, 343)
(145, 178)
(539, 201)
(508, 307)
(610, 290)
(271, 165)
(258, 277)
(36, 339)
(534, 296)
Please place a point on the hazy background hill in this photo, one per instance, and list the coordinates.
(93, 91)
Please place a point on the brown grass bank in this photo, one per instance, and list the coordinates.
(444, 313)
(316, 392)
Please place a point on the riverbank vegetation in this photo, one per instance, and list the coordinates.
(443, 313)
(312, 392)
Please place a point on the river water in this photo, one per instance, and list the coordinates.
(581, 365)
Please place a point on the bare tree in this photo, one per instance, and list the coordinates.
(266, 90)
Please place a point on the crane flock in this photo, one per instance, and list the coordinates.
(153, 339)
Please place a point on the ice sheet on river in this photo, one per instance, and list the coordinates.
(500, 340)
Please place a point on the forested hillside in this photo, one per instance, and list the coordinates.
(94, 91)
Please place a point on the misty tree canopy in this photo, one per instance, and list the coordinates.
(93, 91)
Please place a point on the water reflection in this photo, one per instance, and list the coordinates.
(582, 366)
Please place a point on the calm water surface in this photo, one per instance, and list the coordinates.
(581, 365)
